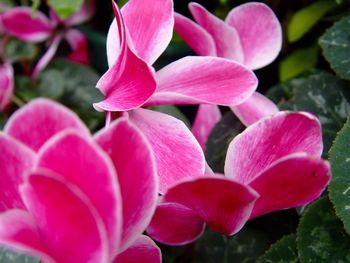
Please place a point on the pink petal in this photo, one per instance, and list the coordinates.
(18, 230)
(255, 108)
(81, 162)
(68, 224)
(175, 224)
(150, 25)
(20, 23)
(226, 38)
(206, 118)
(113, 44)
(272, 138)
(6, 85)
(223, 204)
(178, 155)
(86, 11)
(79, 45)
(212, 80)
(259, 31)
(137, 175)
(144, 250)
(295, 180)
(39, 120)
(195, 36)
(15, 161)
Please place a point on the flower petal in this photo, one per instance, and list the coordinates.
(6, 85)
(15, 161)
(255, 108)
(270, 139)
(175, 224)
(206, 118)
(295, 180)
(137, 175)
(79, 45)
(83, 163)
(20, 23)
(223, 204)
(259, 31)
(40, 119)
(195, 36)
(113, 44)
(150, 25)
(143, 250)
(69, 225)
(226, 38)
(212, 80)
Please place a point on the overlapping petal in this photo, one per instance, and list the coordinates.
(6, 85)
(40, 119)
(79, 45)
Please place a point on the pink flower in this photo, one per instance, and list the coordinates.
(6, 85)
(278, 160)
(69, 197)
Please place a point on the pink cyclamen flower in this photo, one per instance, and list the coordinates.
(278, 158)
(20, 22)
(6, 85)
(69, 197)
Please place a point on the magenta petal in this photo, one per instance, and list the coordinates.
(270, 139)
(137, 175)
(178, 155)
(18, 230)
(206, 118)
(79, 45)
(68, 224)
(83, 163)
(6, 85)
(212, 80)
(259, 31)
(195, 36)
(175, 224)
(226, 38)
(113, 44)
(15, 161)
(20, 23)
(143, 250)
(223, 204)
(150, 25)
(43, 118)
(295, 180)
(255, 108)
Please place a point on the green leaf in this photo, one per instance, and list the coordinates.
(35, 5)
(3, 120)
(335, 44)
(7, 255)
(298, 62)
(51, 84)
(25, 88)
(283, 251)
(339, 189)
(65, 8)
(303, 20)
(320, 235)
(219, 139)
(173, 111)
(16, 50)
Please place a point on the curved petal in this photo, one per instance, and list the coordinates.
(150, 25)
(113, 43)
(223, 204)
(255, 108)
(195, 36)
(40, 119)
(18, 230)
(6, 85)
(270, 139)
(226, 38)
(20, 23)
(137, 175)
(79, 45)
(80, 161)
(206, 118)
(175, 224)
(143, 250)
(178, 155)
(15, 161)
(259, 31)
(212, 80)
(68, 224)
(295, 180)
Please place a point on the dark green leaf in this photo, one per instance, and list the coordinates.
(7, 255)
(320, 235)
(51, 84)
(16, 50)
(65, 8)
(3, 120)
(173, 111)
(25, 88)
(335, 44)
